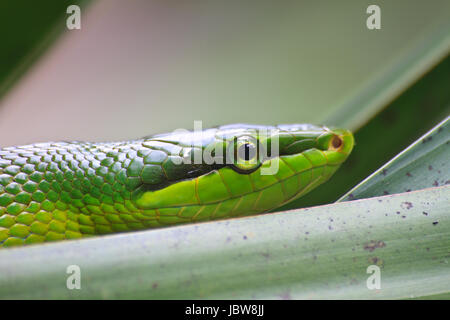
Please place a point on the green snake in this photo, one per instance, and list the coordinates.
(69, 190)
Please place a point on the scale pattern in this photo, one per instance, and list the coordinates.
(57, 191)
(69, 190)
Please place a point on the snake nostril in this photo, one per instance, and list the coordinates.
(336, 142)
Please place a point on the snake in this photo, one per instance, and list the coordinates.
(70, 190)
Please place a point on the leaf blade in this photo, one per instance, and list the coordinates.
(424, 164)
(289, 255)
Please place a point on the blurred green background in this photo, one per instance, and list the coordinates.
(141, 67)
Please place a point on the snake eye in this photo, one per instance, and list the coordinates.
(247, 151)
(246, 155)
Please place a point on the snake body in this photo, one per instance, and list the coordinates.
(70, 190)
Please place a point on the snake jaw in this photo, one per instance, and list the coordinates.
(303, 162)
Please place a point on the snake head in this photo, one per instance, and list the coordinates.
(247, 169)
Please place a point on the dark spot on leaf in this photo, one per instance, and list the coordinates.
(244, 237)
(406, 205)
(435, 183)
(403, 217)
(155, 285)
(430, 167)
(408, 190)
(374, 244)
(408, 174)
(435, 223)
(398, 212)
(351, 196)
(425, 213)
(385, 192)
(384, 172)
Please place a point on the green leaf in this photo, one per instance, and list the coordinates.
(383, 90)
(422, 165)
(320, 252)
(30, 31)
(407, 118)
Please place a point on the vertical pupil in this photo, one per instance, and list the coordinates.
(247, 151)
